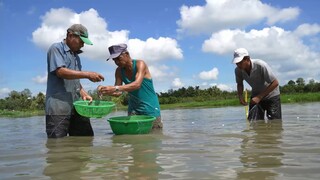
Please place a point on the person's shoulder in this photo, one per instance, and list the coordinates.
(140, 62)
(56, 45)
(261, 64)
(258, 61)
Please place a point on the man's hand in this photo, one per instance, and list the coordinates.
(106, 90)
(255, 100)
(95, 77)
(87, 98)
(243, 102)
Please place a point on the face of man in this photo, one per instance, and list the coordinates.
(244, 64)
(74, 42)
(120, 60)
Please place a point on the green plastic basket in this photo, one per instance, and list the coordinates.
(95, 109)
(137, 124)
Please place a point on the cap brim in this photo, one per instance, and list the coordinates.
(86, 40)
(237, 59)
(114, 56)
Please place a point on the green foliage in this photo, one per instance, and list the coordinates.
(191, 94)
(294, 91)
(19, 101)
(300, 97)
(16, 114)
(299, 86)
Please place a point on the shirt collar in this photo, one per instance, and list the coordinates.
(67, 49)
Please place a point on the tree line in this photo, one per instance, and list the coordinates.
(24, 101)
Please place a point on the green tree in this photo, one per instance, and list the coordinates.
(39, 102)
(292, 83)
(300, 85)
(2, 104)
(14, 95)
(26, 93)
(312, 86)
(290, 87)
(300, 82)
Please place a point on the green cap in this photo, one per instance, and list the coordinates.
(80, 30)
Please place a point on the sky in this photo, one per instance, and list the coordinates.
(184, 42)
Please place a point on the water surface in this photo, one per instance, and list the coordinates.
(212, 143)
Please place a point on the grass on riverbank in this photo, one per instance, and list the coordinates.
(300, 97)
(17, 114)
(204, 104)
(285, 98)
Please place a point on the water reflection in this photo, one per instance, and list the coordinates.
(141, 153)
(261, 151)
(67, 157)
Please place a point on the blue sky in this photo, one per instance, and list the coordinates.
(184, 42)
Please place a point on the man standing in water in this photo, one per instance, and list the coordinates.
(265, 86)
(143, 99)
(63, 85)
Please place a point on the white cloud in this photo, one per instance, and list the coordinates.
(307, 30)
(40, 79)
(204, 84)
(4, 92)
(160, 72)
(224, 87)
(217, 15)
(53, 27)
(56, 22)
(176, 83)
(209, 75)
(221, 42)
(284, 50)
(275, 15)
(155, 49)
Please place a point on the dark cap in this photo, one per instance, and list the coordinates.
(116, 50)
(80, 30)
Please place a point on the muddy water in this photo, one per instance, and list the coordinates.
(213, 143)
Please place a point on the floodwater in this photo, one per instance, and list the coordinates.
(211, 143)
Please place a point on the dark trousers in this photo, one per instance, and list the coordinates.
(271, 106)
(58, 126)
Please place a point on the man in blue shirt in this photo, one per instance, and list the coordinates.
(64, 87)
(265, 86)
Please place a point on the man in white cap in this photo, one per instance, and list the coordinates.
(134, 77)
(64, 87)
(265, 95)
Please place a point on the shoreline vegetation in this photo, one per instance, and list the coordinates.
(285, 99)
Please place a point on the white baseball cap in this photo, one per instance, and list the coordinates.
(239, 54)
